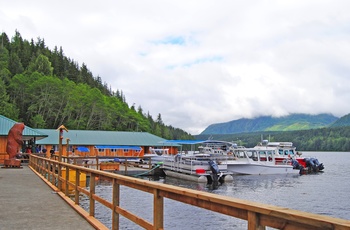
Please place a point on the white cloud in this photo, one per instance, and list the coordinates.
(202, 63)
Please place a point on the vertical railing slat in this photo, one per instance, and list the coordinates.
(116, 201)
(253, 221)
(158, 210)
(77, 182)
(66, 191)
(59, 175)
(92, 192)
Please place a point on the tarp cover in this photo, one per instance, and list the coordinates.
(82, 149)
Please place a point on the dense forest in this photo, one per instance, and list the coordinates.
(44, 89)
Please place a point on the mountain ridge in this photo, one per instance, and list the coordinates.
(292, 122)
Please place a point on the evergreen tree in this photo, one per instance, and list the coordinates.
(41, 65)
(7, 109)
(15, 65)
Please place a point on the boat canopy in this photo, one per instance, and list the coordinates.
(138, 148)
(184, 142)
(193, 142)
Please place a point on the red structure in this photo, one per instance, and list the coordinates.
(14, 144)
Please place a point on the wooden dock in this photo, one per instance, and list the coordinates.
(26, 202)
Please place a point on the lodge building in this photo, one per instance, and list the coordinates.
(83, 142)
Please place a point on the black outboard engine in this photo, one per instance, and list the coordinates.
(319, 165)
(214, 167)
(313, 164)
(215, 171)
(296, 164)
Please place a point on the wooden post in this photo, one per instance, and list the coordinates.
(116, 198)
(67, 179)
(59, 175)
(51, 173)
(60, 137)
(253, 221)
(77, 183)
(92, 192)
(158, 210)
(60, 146)
(97, 163)
(67, 149)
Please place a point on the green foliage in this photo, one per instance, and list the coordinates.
(41, 65)
(45, 89)
(6, 108)
(343, 121)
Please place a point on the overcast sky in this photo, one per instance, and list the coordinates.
(202, 62)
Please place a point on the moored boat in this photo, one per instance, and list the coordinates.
(207, 164)
(286, 152)
(249, 161)
(197, 167)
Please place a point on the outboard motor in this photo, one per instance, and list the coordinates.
(314, 164)
(214, 167)
(296, 164)
(215, 171)
(319, 165)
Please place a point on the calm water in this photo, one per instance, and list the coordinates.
(324, 193)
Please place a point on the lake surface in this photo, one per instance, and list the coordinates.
(324, 193)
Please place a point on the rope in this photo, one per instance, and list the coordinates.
(157, 166)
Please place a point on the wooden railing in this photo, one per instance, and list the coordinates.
(258, 215)
(97, 160)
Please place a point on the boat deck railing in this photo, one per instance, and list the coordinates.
(258, 216)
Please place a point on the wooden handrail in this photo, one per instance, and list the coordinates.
(258, 215)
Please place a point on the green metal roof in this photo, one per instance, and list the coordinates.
(95, 137)
(6, 124)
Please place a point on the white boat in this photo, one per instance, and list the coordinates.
(207, 165)
(250, 161)
(286, 152)
(197, 167)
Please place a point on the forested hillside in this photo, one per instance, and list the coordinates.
(323, 139)
(44, 89)
(269, 123)
(343, 121)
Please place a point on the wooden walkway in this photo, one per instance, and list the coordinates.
(26, 202)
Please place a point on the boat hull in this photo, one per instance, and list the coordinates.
(260, 169)
(189, 177)
(200, 178)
